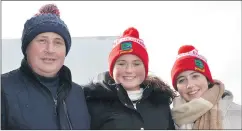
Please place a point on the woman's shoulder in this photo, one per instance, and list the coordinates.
(233, 116)
(231, 111)
(227, 101)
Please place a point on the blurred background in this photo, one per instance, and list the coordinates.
(213, 27)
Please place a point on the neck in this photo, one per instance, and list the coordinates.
(132, 89)
(47, 79)
(135, 95)
(46, 75)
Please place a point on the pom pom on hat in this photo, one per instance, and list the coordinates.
(49, 8)
(189, 59)
(132, 32)
(185, 48)
(47, 20)
(128, 43)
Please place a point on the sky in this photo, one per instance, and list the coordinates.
(213, 27)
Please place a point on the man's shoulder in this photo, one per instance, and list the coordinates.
(10, 76)
(76, 86)
(11, 81)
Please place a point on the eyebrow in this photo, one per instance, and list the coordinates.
(179, 77)
(121, 61)
(137, 60)
(193, 73)
(42, 36)
(59, 39)
(132, 61)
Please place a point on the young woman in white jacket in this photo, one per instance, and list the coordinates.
(203, 102)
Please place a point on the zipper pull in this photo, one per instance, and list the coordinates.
(55, 102)
(55, 99)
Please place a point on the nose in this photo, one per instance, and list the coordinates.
(189, 86)
(129, 68)
(190, 83)
(50, 47)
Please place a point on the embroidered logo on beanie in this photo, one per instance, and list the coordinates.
(199, 65)
(126, 47)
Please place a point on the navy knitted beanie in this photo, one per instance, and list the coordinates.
(47, 20)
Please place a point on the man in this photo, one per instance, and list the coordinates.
(40, 94)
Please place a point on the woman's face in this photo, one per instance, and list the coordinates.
(191, 84)
(129, 71)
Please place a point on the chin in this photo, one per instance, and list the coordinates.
(194, 97)
(129, 87)
(49, 70)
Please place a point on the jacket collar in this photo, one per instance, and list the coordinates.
(64, 73)
(103, 87)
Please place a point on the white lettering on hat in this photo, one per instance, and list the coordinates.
(192, 53)
(120, 40)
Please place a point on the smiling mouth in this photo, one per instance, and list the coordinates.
(192, 92)
(48, 60)
(128, 77)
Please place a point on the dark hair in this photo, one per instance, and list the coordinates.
(210, 85)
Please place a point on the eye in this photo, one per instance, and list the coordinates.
(121, 63)
(180, 80)
(60, 43)
(136, 64)
(42, 41)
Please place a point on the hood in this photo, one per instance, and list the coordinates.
(101, 87)
(227, 95)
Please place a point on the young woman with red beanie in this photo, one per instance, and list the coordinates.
(125, 97)
(203, 102)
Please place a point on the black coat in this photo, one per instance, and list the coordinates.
(27, 104)
(111, 108)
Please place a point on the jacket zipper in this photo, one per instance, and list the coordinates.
(53, 98)
(64, 104)
(67, 116)
(132, 103)
(55, 105)
(65, 108)
(141, 97)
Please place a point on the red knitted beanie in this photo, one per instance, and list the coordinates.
(189, 59)
(128, 43)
